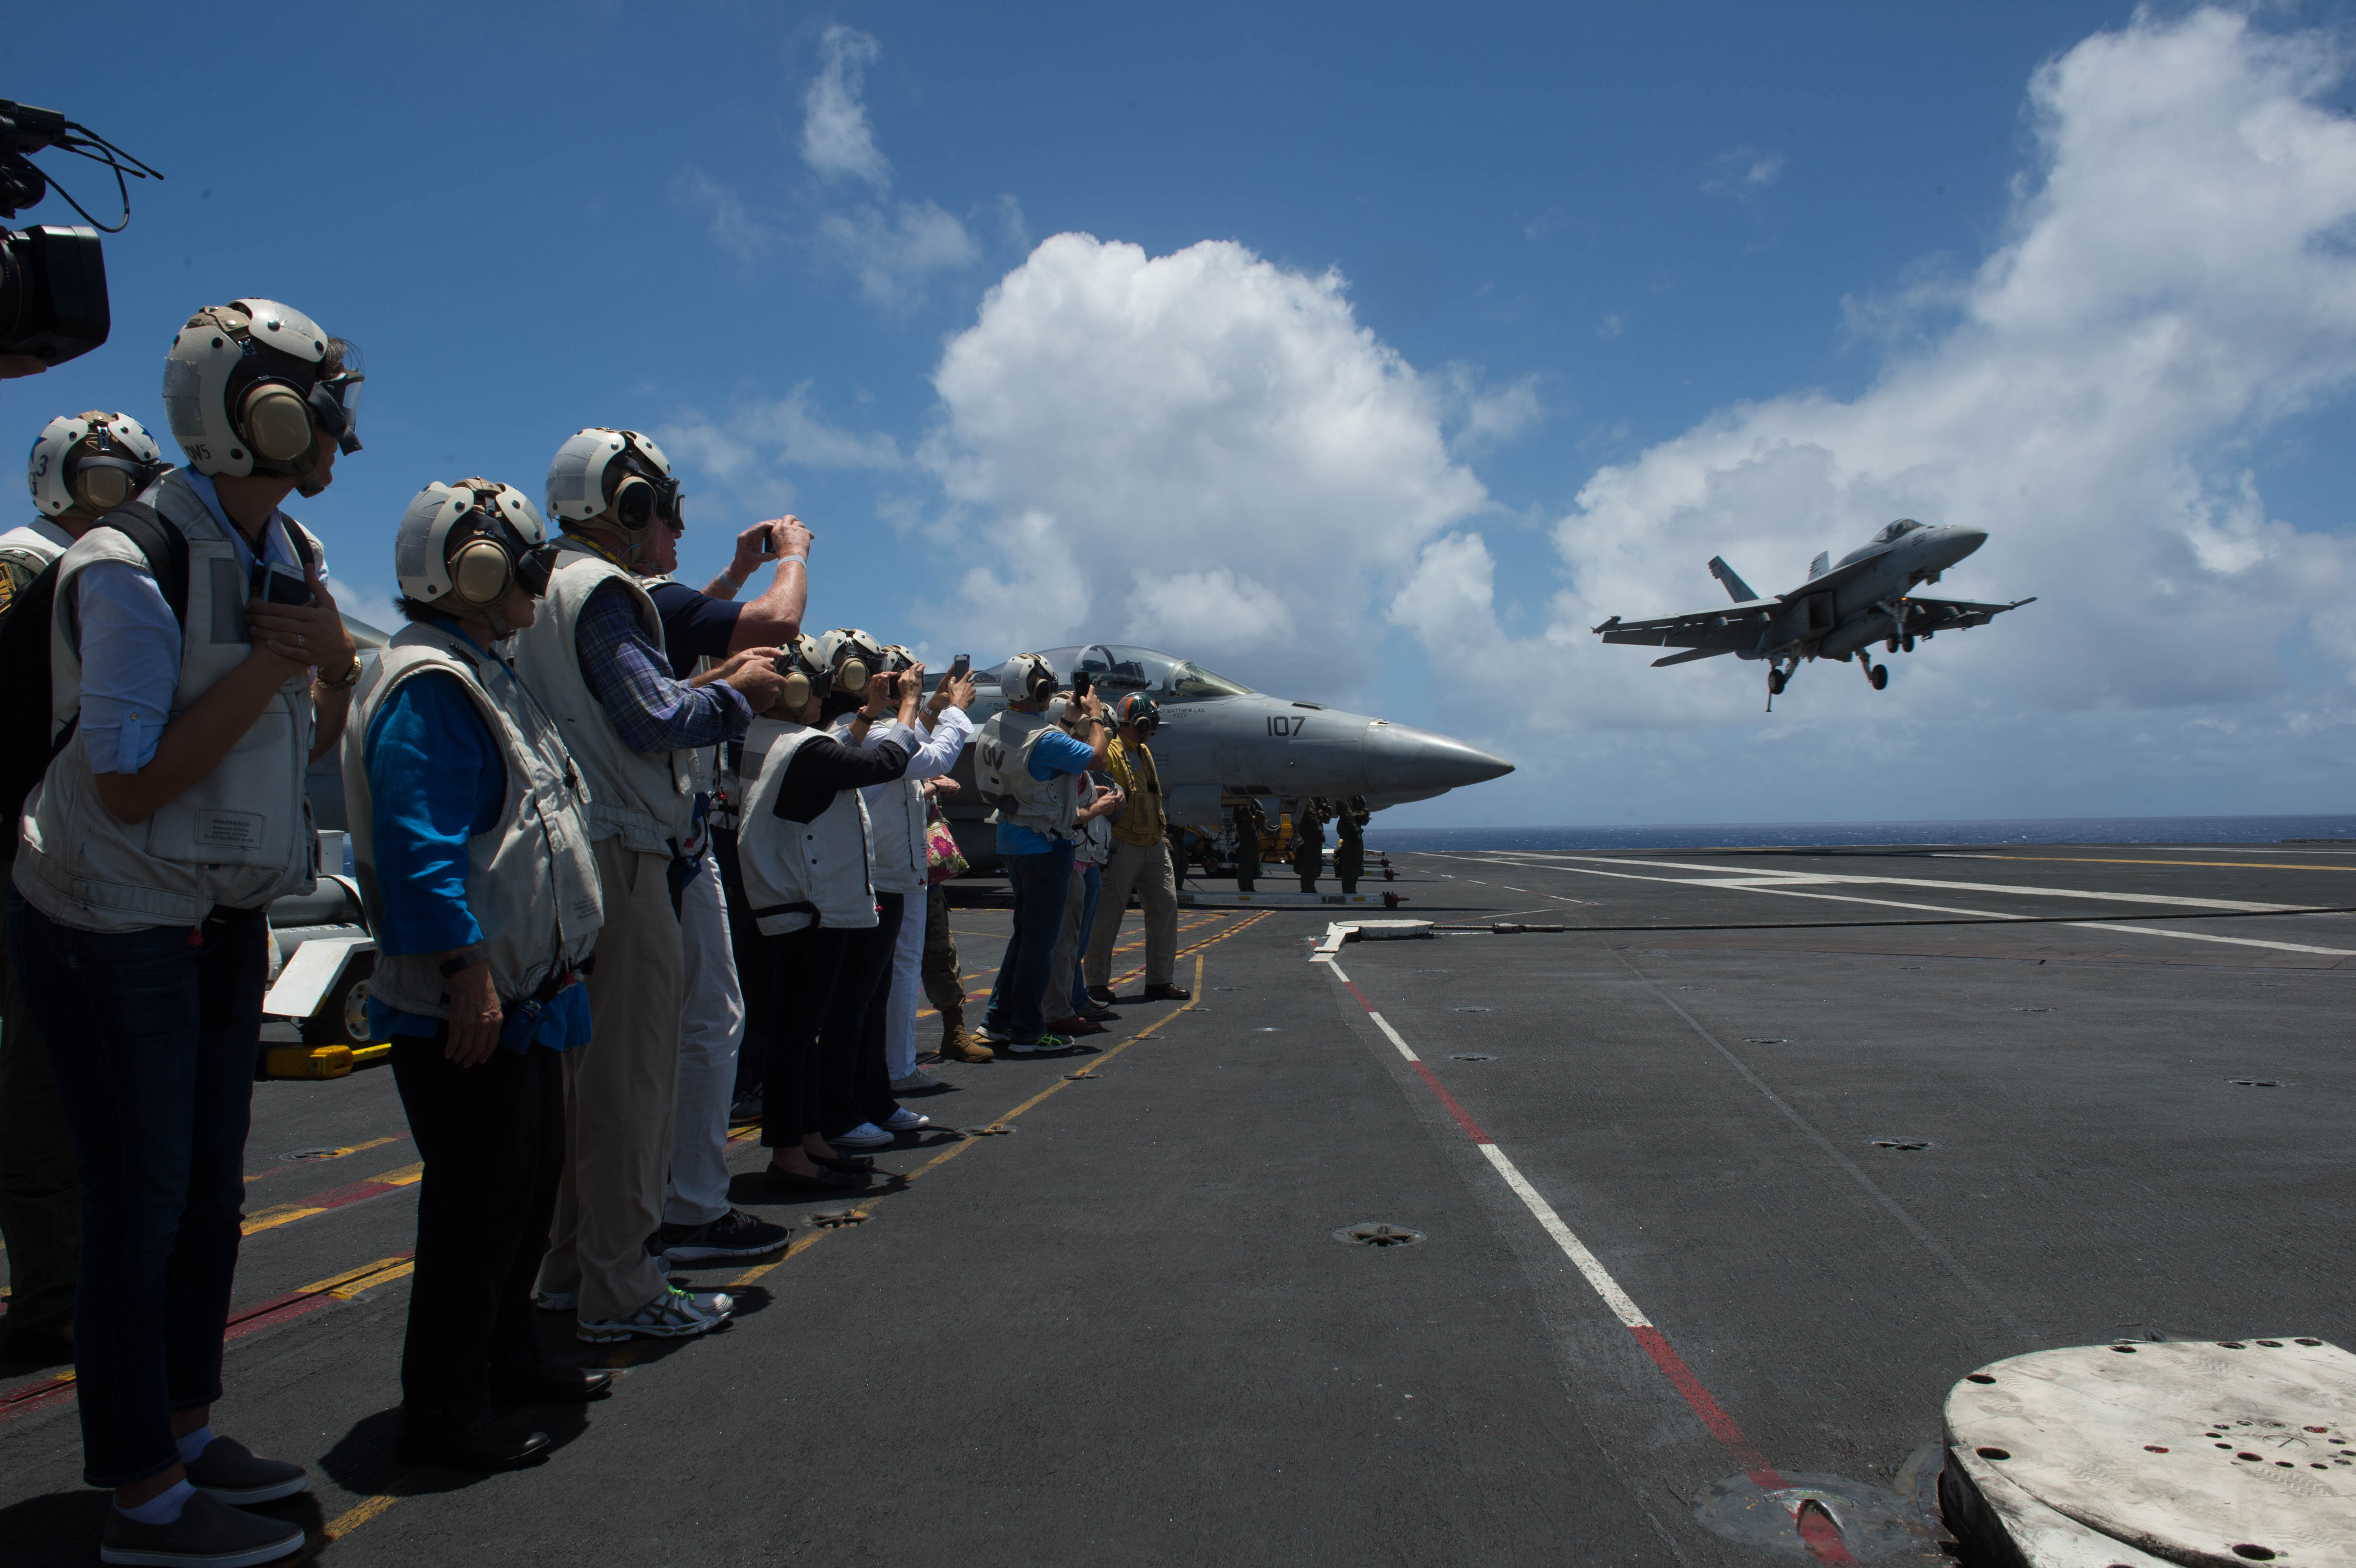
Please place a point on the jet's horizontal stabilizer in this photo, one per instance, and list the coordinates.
(1734, 583)
(1691, 654)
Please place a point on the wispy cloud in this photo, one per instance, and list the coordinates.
(837, 141)
(1742, 173)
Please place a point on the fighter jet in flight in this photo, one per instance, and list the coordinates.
(1220, 740)
(1842, 610)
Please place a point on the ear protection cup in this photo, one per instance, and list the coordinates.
(101, 490)
(1041, 684)
(634, 505)
(479, 573)
(851, 678)
(276, 422)
(796, 693)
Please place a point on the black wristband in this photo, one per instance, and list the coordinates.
(464, 959)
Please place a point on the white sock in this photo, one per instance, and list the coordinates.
(193, 1443)
(163, 1508)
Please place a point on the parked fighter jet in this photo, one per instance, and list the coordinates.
(1842, 609)
(1219, 738)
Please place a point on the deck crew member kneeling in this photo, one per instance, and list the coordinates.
(597, 659)
(806, 847)
(204, 666)
(469, 827)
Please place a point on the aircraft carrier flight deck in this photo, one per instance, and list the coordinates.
(1725, 1185)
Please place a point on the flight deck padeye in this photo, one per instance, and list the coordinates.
(1842, 610)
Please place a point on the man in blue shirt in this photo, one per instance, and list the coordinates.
(1038, 861)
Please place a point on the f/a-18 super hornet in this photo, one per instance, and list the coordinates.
(1842, 608)
(1220, 740)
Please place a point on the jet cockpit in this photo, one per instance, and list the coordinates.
(1120, 670)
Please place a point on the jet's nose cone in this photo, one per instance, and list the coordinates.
(1960, 542)
(1400, 759)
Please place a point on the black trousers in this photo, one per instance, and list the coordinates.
(854, 1085)
(493, 1138)
(805, 967)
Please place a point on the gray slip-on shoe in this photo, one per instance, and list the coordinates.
(208, 1532)
(230, 1472)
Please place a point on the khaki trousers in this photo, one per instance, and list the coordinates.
(1145, 868)
(619, 1094)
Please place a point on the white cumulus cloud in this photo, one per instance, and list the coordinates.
(2176, 278)
(1203, 451)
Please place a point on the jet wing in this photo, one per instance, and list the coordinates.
(1732, 629)
(1926, 615)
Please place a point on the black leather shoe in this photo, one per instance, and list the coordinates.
(486, 1445)
(1168, 993)
(1100, 995)
(1100, 1015)
(846, 1164)
(548, 1382)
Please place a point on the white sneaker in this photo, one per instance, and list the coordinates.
(556, 1300)
(905, 1120)
(866, 1134)
(919, 1079)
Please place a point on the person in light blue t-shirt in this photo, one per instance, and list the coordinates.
(1039, 870)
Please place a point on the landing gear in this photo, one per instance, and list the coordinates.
(1906, 644)
(1776, 680)
(1892, 645)
(1875, 674)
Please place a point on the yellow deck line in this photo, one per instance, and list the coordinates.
(351, 1519)
(287, 1213)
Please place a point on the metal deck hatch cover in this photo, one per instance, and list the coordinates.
(1873, 1523)
(294, 1154)
(1376, 1234)
(1472, 1056)
(2197, 1451)
(836, 1219)
(1905, 1144)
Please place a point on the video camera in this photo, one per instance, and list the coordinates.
(53, 279)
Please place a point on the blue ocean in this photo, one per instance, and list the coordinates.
(1783, 835)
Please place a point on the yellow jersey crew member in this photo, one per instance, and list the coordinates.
(83, 466)
(196, 649)
(1140, 860)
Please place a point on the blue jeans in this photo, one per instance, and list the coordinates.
(1042, 884)
(152, 1035)
(1094, 877)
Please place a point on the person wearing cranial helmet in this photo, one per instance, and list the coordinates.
(869, 1041)
(198, 654)
(806, 846)
(471, 841)
(82, 466)
(1025, 770)
(597, 656)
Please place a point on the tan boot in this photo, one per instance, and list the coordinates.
(958, 1046)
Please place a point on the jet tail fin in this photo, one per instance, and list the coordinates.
(1822, 564)
(1735, 586)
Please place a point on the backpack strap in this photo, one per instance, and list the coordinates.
(164, 545)
(300, 538)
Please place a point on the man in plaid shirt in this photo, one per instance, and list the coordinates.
(596, 657)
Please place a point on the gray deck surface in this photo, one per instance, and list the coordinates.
(1124, 1333)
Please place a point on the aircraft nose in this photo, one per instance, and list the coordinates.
(1961, 542)
(1402, 760)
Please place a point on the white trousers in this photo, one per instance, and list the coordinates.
(907, 982)
(710, 1031)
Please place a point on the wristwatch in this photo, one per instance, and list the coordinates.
(351, 678)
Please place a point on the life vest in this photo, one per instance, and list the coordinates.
(531, 879)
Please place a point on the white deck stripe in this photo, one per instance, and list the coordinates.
(1790, 892)
(1392, 1035)
(1588, 1265)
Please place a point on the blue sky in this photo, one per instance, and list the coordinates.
(1562, 276)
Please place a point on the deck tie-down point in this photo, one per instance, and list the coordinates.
(837, 1219)
(1377, 1235)
(994, 1128)
(1826, 1517)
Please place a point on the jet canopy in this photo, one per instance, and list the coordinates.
(1896, 531)
(1162, 676)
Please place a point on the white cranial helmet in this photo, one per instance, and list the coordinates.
(851, 656)
(465, 544)
(582, 483)
(249, 385)
(91, 463)
(1028, 678)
